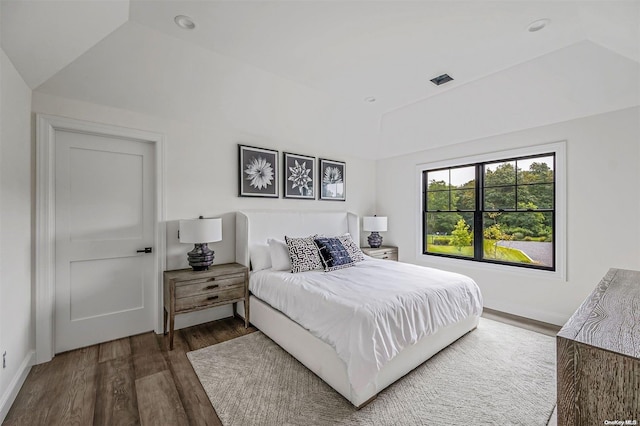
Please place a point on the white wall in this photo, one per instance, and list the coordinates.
(16, 323)
(201, 169)
(603, 172)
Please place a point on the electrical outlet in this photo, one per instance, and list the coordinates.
(4, 359)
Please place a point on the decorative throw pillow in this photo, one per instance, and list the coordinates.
(304, 254)
(279, 252)
(333, 254)
(260, 257)
(352, 248)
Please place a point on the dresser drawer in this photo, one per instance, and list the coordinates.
(208, 285)
(210, 298)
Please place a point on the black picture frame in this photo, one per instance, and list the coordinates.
(299, 176)
(332, 180)
(258, 170)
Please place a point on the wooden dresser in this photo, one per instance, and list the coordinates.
(598, 353)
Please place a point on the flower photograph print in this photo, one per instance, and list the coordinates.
(333, 184)
(258, 172)
(299, 175)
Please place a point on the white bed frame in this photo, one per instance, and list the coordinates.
(254, 227)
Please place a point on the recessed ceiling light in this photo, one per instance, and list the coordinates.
(538, 25)
(369, 99)
(184, 22)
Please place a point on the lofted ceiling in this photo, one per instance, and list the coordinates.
(130, 54)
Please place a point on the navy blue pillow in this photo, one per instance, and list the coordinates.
(333, 254)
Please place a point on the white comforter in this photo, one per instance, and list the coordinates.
(371, 311)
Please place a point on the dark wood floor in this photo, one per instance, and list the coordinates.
(130, 381)
(136, 380)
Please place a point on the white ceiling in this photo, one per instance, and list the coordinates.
(335, 53)
(42, 37)
(391, 49)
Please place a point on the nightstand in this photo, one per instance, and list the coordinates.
(382, 252)
(186, 290)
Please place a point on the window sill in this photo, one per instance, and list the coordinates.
(449, 262)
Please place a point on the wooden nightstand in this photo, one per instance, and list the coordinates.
(186, 290)
(382, 252)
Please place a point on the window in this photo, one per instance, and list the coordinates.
(497, 211)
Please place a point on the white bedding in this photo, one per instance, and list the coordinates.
(371, 311)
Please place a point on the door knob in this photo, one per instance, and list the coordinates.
(145, 250)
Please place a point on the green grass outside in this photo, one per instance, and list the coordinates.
(506, 254)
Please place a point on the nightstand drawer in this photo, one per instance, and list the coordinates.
(210, 298)
(208, 285)
(386, 253)
(186, 290)
(389, 255)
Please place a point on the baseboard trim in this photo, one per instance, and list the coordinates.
(547, 317)
(524, 322)
(16, 384)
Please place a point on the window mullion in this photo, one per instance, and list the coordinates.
(478, 242)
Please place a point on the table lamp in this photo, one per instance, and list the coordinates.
(374, 224)
(200, 232)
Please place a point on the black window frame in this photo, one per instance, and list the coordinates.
(480, 209)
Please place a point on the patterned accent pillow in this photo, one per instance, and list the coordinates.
(333, 254)
(304, 254)
(352, 248)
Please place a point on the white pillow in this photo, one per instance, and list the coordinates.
(280, 260)
(260, 257)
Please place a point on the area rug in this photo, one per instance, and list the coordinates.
(495, 375)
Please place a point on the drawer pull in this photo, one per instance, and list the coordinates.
(385, 257)
(212, 297)
(211, 287)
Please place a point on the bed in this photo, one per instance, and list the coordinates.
(337, 360)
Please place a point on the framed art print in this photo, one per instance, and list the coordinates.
(258, 174)
(299, 176)
(333, 184)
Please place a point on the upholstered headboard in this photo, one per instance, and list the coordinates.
(254, 227)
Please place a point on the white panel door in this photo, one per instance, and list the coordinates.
(104, 214)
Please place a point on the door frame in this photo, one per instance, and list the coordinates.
(46, 126)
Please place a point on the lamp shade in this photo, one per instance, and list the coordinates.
(374, 223)
(197, 231)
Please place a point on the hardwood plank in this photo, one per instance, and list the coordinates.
(180, 344)
(227, 329)
(73, 392)
(194, 399)
(147, 356)
(200, 336)
(116, 402)
(159, 401)
(120, 348)
(34, 400)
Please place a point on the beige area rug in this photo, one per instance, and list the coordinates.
(495, 375)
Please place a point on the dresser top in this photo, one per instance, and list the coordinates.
(610, 317)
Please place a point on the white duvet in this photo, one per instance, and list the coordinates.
(371, 311)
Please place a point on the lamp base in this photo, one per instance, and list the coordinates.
(201, 257)
(375, 240)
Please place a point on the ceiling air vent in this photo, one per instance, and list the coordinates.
(441, 79)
